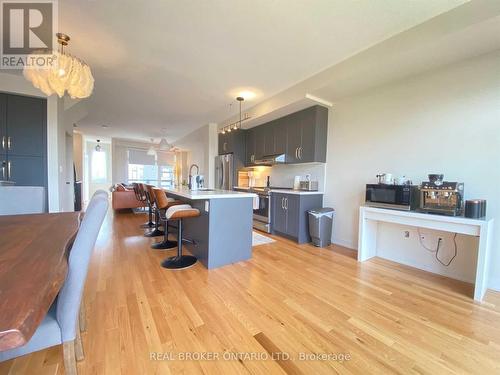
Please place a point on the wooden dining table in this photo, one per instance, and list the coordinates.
(33, 266)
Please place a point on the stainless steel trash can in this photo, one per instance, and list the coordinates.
(320, 226)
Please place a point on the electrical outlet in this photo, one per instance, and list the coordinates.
(406, 233)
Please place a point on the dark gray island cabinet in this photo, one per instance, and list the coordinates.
(222, 234)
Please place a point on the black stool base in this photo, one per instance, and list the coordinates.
(148, 225)
(164, 245)
(177, 263)
(154, 233)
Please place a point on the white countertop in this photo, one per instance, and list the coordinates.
(431, 217)
(207, 194)
(286, 191)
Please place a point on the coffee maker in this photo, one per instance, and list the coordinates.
(441, 197)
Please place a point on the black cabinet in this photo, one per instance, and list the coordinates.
(289, 214)
(301, 136)
(23, 137)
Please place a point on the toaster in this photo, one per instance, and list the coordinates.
(309, 185)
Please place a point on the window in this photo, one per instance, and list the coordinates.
(147, 169)
(98, 167)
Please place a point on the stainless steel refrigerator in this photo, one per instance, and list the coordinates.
(224, 172)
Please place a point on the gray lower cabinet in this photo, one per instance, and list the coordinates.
(27, 170)
(289, 214)
(3, 124)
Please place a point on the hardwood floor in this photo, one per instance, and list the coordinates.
(379, 317)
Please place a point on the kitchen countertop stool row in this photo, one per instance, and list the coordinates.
(167, 210)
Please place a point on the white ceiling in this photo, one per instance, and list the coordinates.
(176, 65)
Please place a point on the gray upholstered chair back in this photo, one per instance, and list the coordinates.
(100, 192)
(70, 295)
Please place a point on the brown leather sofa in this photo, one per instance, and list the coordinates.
(123, 197)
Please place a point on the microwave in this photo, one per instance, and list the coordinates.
(399, 197)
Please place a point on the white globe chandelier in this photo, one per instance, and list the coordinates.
(69, 74)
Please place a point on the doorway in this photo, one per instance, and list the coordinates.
(97, 166)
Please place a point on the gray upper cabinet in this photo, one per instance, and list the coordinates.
(301, 136)
(314, 126)
(23, 137)
(27, 125)
(294, 138)
(307, 134)
(232, 142)
(250, 147)
(280, 136)
(223, 143)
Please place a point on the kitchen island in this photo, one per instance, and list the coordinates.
(222, 234)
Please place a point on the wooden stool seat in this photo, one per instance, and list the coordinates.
(179, 213)
(163, 203)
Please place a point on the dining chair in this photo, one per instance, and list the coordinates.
(60, 325)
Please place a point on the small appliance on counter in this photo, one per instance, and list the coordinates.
(475, 208)
(308, 185)
(197, 182)
(441, 197)
(398, 197)
(385, 178)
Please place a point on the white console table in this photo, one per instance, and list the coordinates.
(369, 217)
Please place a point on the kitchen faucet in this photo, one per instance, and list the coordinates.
(190, 185)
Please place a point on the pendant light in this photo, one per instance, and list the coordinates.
(151, 150)
(98, 147)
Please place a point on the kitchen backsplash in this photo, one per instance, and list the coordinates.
(283, 175)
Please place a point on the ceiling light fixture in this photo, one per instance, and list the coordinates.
(237, 124)
(69, 74)
(151, 150)
(164, 145)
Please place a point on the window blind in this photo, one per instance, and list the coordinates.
(140, 157)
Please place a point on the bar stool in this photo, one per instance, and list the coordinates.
(179, 213)
(150, 195)
(143, 198)
(162, 203)
(140, 195)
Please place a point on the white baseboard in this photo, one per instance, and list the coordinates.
(493, 284)
(344, 243)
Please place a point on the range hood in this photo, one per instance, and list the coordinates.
(271, 159)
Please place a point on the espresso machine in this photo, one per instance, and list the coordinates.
(441, 197)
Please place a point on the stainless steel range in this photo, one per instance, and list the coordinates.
(261, 215)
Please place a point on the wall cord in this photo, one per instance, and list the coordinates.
(438, 247)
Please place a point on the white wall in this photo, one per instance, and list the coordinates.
(201, 147)
(446, 121)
